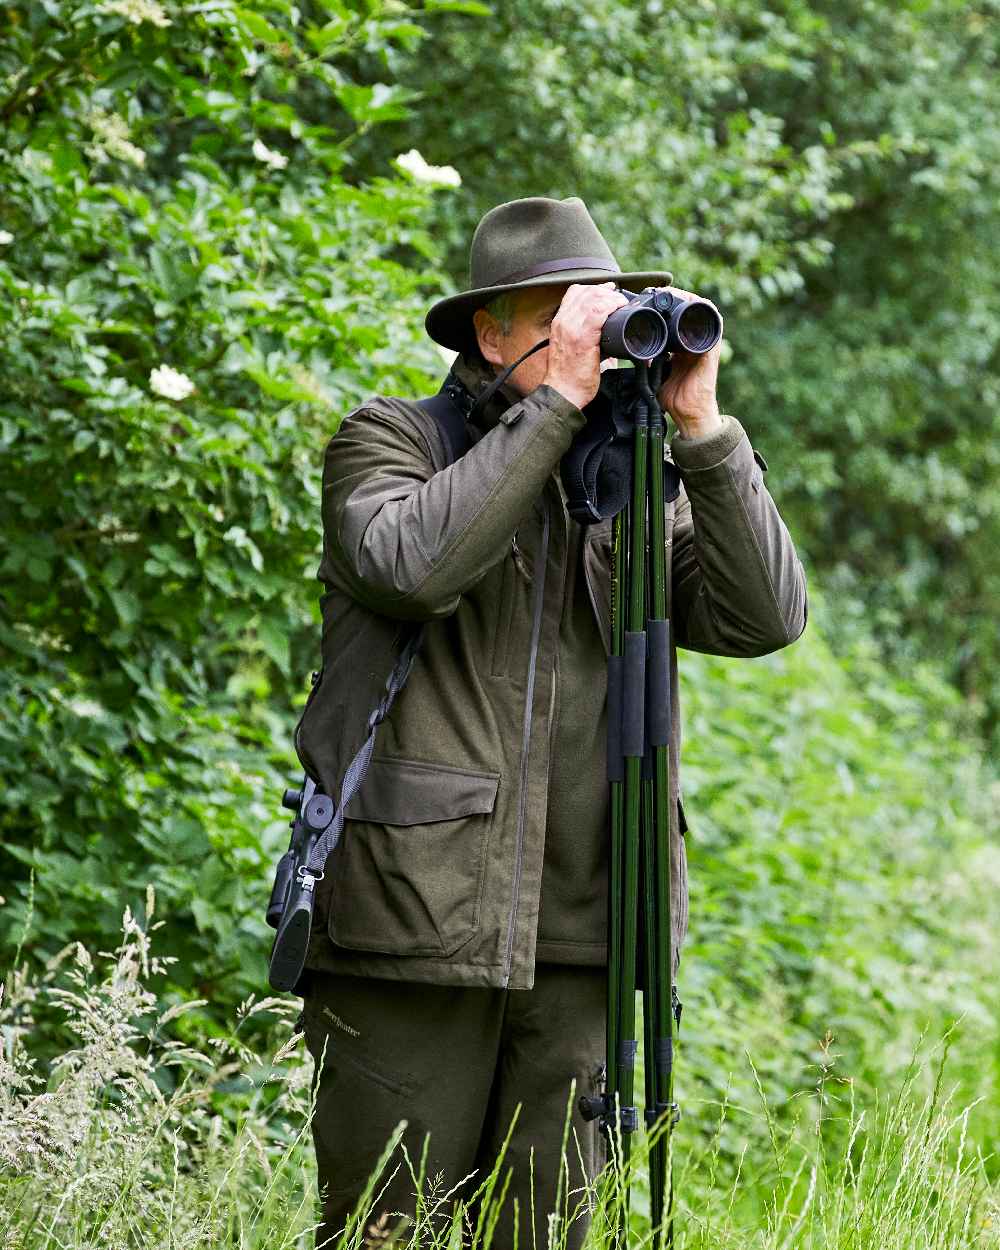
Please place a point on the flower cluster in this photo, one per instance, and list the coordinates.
(111, 135)
(137, 11)
(273, 160)
(170, 383)
(433, 175)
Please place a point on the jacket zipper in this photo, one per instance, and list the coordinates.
(536, 630)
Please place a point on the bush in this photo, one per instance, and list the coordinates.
(194, 293)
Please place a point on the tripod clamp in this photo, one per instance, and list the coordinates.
(654, 1114)
(599, 1108)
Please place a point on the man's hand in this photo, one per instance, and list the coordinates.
(688, 394)
(574, 353)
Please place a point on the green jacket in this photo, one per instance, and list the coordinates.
(438, 876)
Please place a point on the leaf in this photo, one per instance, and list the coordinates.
(472, 7)
(274, 641)
(260, 27)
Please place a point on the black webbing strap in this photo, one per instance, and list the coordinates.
(357, 770)
(450, 409)
(485, 395)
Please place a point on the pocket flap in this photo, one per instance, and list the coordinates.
(411, 792)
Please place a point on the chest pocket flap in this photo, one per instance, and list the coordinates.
(410, 867)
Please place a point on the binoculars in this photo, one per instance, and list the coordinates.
(656, 321)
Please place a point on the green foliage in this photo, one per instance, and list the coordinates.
(174, 196)
(131, 1136)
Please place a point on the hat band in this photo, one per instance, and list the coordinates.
(557, 266)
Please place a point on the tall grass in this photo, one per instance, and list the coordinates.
(138, 1137)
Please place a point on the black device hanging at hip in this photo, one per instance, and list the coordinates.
(319, 819)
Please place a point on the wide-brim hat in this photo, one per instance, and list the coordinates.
(526, 243)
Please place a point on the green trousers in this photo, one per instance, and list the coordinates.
(455, 1063)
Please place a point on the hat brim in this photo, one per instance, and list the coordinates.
(449, 321)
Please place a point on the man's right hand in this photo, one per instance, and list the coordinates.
(574, 352)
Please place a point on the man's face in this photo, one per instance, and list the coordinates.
(534, 309)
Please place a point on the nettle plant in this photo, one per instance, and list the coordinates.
(194, 292)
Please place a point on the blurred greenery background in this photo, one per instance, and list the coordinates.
(210, 251)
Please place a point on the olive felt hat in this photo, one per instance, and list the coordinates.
(525, 243)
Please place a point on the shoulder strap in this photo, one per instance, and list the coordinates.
(449, 412)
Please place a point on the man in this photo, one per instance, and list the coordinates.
(458, 960)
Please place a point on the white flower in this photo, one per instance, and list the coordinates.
(86, 707)
(274, 160)
(137, 11)
(433, 175)
(111, 131)
(6, 236)
(169, 383)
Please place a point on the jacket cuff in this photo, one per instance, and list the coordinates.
(694, 455)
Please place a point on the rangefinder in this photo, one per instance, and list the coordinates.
(656, 321)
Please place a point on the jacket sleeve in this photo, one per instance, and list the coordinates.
(409, 541)
(738, 586)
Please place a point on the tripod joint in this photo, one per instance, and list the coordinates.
(656, 1113)
(600, 1108)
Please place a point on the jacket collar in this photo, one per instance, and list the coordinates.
(475, 375)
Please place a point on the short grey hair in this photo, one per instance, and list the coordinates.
(502, 309)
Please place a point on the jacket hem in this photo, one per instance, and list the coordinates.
(429, 971)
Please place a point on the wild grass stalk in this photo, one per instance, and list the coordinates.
(137, 1138)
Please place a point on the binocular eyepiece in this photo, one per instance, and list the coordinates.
(656, 321)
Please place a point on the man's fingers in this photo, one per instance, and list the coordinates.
(676, 290)
(591, 301)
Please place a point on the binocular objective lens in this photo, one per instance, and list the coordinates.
(698, 328)
(645, 335)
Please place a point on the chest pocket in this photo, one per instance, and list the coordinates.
(411, 865)
(513, 588)
(511, 608)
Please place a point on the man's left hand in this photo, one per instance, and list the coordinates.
(688, 394)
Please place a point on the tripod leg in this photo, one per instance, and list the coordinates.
(658, 628)
(650, 990)
(633, 749)
(616, 778)
(617, 1192)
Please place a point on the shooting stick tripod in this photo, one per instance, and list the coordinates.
(639, 776)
